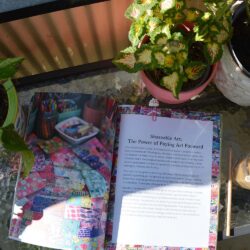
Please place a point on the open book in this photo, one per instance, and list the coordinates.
(126, 177)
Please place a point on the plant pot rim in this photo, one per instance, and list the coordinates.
(238, 11)
(166, 96)
(12, 103)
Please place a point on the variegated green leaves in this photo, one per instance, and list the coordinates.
(172, 29)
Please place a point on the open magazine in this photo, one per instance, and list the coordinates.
(127, 177)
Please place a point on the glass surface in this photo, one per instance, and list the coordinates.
(126, 88)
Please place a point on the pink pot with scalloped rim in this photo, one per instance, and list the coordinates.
(166, 96)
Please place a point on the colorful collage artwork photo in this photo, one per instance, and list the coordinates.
(63, 202)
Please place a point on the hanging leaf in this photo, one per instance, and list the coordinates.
(126, 61)
(136, 32)
(12, 141)
(195, 70)
(213, 52)
(222, 36)
(173, 83)
(8, 67)
(134, 11)
(28, 160)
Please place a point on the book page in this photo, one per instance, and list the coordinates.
(62, 203)
(163, 186)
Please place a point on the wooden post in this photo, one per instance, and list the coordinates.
(229, 193)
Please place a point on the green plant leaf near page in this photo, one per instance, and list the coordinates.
(9, 66)
(28, 161)
(12, 141)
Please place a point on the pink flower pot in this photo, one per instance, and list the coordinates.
(93, 115)
(166, 96)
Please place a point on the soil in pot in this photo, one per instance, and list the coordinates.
(3, 105)
(240, 41)
(195, 54)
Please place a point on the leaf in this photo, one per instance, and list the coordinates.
(195, 70)
(222, 37)
(226, 22)
(126, 61)
(200, 33)
(147, 4)
(179, 17)
(169, 61)
(182, 57)
(174, 46)
(179, 4)
(129, 49)
(160, 31)
(8, 67)
(153, 24)
(161, 39)
(28, 159)
(136, 32)
(192, 14)
(134, 11)
(144, 56)
(173, 83)
(159, 57)
(166, 5)
(213, 52)
(13, 142)
(206, 16)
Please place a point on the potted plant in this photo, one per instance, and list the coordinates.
(94, 110)
(175, 47)
(9, 139)
(234, 70)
